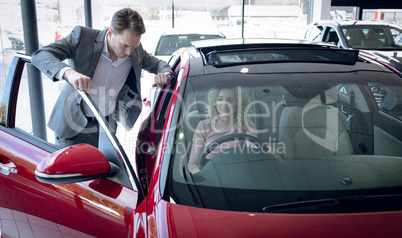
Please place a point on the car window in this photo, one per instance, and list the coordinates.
(307, 136)
(372, 36)
(388, 98)
(398, 39)
(23, 117)
(226, 58)
(315, 33)
(170, 43)
(331, 36)
(353, 37)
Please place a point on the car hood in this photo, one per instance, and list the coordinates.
(185, 221)
(390, 53)
(392, 58)
(386, 56)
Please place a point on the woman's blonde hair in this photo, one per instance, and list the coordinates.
(242, 101)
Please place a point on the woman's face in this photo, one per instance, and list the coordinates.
(226, 102)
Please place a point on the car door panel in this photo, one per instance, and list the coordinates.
(101, 207)
(29, 208)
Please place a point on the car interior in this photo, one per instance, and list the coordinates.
(372, 40)
(332, 37)
(277, 118)
(354, 37)
(310, 128)
(366, 37)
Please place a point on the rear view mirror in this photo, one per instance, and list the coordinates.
(74, 164)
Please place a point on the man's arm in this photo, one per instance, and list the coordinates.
(162, 70)
(49, 59)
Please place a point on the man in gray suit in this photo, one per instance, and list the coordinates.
(107, 64)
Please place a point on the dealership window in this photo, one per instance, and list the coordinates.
(56, 18)
(262, 19)
(392, 15)
(23, 119)
(11, 36)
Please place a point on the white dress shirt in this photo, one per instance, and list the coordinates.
(107, 81)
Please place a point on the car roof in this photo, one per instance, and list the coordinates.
(248, 41)
(251, 42)
(356, 22)
(241, 44)
(226, 53)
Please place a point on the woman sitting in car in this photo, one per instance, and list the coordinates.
(227, 116)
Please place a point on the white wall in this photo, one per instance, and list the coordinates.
(321, 9)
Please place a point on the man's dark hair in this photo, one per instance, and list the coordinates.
(128, 18)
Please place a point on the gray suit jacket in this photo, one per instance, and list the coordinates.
(83, 47)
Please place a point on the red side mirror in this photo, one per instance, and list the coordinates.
(73, 164)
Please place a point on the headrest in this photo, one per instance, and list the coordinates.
(372, 35)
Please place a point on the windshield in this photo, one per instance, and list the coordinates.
(248, 141)
(170, 43)
(373, 37)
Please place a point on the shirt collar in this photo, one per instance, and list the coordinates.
(106, 53)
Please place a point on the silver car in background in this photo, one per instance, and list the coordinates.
(174, 39)
(381, 39)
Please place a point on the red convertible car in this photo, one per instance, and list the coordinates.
(251, 139)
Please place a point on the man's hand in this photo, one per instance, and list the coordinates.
(161, 80)
(196, 170)
(78, 80)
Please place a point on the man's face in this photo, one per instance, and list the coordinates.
(122, 44)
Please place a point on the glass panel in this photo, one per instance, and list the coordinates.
(156, 15)
(314, 33)
(56, 19)
(273, 19)
(11, 36)
(342, 13)
(23, 118)
(373, 36)
(309, 54)
(170, 43)
(325, 134)
(332, 36)
(388, 15)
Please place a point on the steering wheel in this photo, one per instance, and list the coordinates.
(231, 137)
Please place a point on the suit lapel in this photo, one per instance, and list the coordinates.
(98, 46)
(137, 72)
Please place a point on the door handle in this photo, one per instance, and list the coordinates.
(8, 168)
